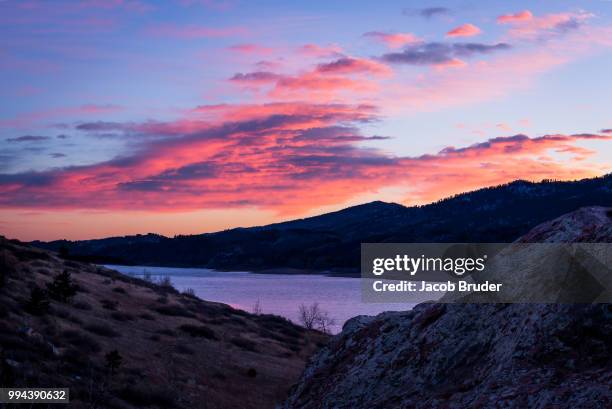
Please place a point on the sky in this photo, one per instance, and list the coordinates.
(188, 116)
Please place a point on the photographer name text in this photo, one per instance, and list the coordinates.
(426, 286)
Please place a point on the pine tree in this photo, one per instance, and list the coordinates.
(63, 287)
(64, 251)
(38, 304)
(113, 361)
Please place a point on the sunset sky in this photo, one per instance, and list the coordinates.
(187, 116)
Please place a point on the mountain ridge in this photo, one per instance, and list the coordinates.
(331, 241)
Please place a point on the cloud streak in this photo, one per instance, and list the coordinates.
(440, 53)
(393, 40)
(288, 158)
(28, 138)
(525, 25)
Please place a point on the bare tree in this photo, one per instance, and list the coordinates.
(257, 310)
(312, 317)
(324, 322)
(308, 315)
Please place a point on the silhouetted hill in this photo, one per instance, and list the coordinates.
(331, 241)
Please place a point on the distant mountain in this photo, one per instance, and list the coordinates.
(332, 241)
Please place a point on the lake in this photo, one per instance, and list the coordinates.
(279, 294)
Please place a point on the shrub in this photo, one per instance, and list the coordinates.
(38, 303)
(102, 330)
(174, 311)
(167, 332)
(184, 350)
(122, 316)
(109, 305)
(119, 290)
(63, 287)
(141, 395)
(198, 331)
(257, 310)
(82, 305)
(8, 264)
(252, 373)
(7, 373)
(312, 317)
(113, 361)
(165, 282)
(244, 343)
(190, 292)
(72, 264)
(81, 341)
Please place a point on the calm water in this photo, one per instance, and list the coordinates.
(279, 294)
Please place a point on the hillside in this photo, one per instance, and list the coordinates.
(175, 350)
(331, 241)
(473, 355)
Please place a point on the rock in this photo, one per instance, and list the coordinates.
(473, 355)
(12, 363)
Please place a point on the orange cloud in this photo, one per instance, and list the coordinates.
(465, 30)
(288, 158)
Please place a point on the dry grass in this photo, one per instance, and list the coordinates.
(215, 356)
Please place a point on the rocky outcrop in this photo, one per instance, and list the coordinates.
(473, 355)
(585, 225)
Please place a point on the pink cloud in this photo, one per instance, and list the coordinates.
(521, 16)
(314, 50)
(393, 40)
(251, 49)
(288, 158)
(536, 27)
(465, 30)
(344, 77)
(492, 78)
(317, 87)
(350, 65)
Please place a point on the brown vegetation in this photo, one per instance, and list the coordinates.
(121, 342)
